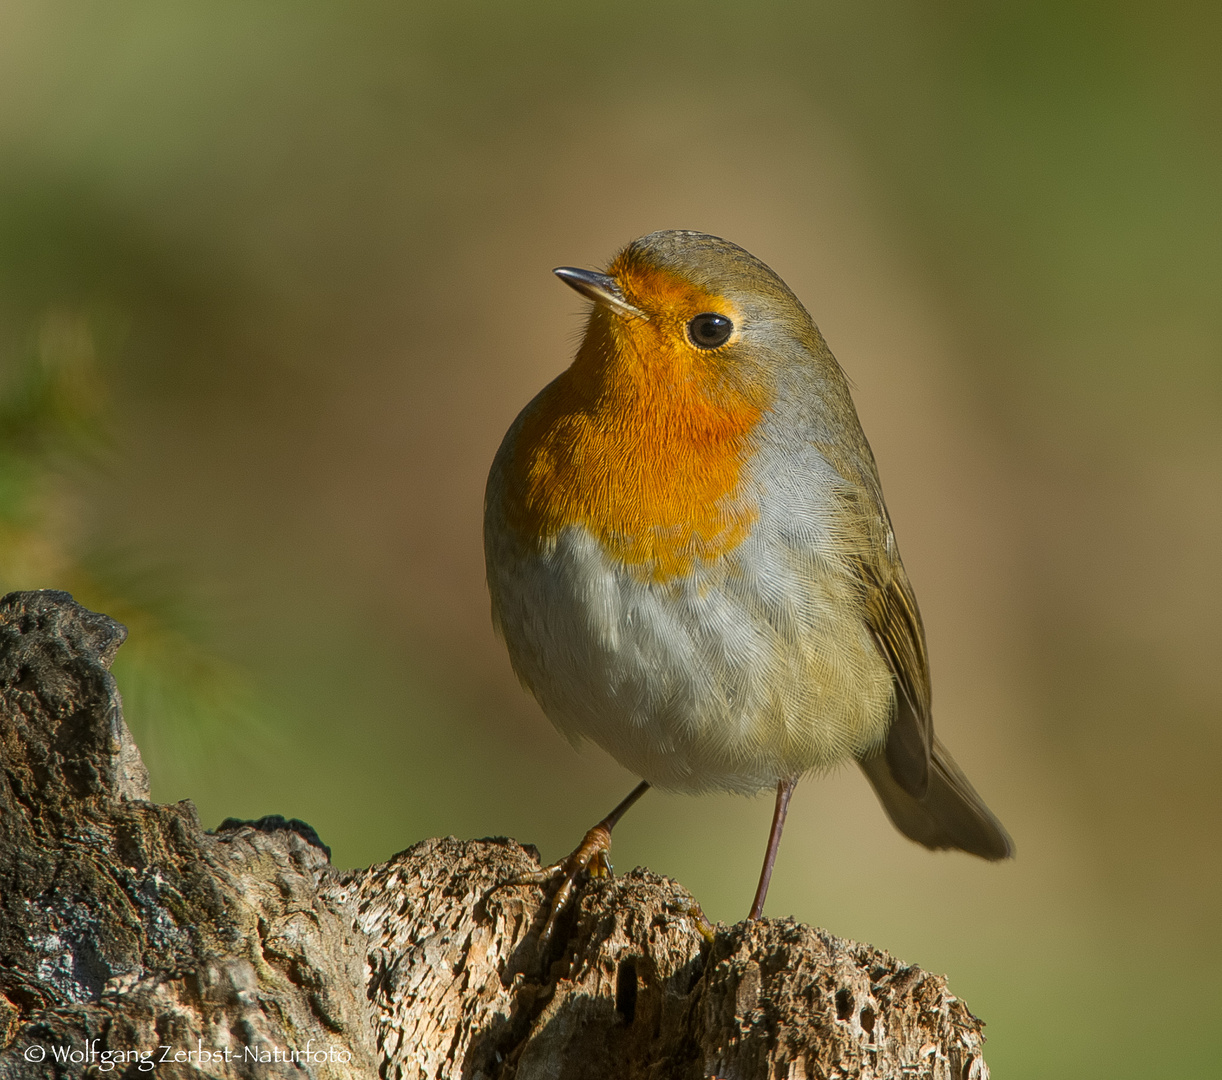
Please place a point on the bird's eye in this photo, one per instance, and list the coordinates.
(709, 330)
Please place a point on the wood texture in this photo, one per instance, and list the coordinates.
(130, 937)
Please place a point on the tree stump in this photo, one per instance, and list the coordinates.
(132, 941)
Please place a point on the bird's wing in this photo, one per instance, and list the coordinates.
(895, 623)
(923, 791)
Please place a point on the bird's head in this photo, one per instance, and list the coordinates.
(682, 305)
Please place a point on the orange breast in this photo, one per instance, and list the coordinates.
(643, 444)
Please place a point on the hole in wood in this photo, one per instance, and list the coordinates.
(625, 991)
(844, 1004)
(867, 1020)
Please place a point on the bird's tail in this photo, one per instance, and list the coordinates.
(950, 815)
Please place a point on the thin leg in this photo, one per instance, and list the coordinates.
(612, 819)
(591, 856)
(783, 790)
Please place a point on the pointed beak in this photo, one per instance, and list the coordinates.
(598, 287)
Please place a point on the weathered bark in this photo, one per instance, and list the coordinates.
(128, 932)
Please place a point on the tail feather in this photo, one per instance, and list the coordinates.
(949, 815)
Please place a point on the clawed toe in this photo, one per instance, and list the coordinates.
(589, 858)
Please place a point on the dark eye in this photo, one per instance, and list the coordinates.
(709, 330)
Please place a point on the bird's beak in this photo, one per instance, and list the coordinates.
(600, 288)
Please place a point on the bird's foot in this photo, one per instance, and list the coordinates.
(590, 858)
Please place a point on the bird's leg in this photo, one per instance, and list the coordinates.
(590, 856)
(784, 789)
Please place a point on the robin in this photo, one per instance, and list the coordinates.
(691, 563)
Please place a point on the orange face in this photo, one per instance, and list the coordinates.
(642, 440)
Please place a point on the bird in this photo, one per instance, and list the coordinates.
(691, 564)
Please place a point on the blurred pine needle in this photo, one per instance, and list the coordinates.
(54, 435)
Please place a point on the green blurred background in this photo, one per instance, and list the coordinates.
(275, 278)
